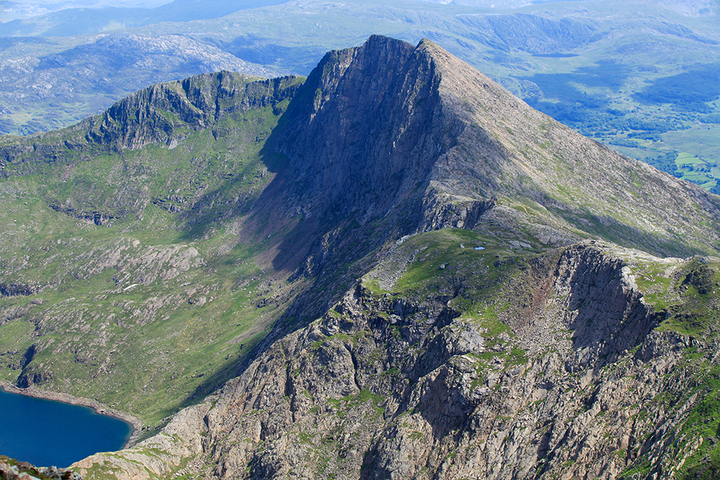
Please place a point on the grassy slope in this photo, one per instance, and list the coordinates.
(157, 306)
(469, 268)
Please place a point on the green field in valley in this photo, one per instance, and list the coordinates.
(698, 158)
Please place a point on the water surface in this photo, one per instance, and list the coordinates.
(45, 432)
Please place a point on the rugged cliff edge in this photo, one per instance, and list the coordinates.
(13, 470)
(563, 370)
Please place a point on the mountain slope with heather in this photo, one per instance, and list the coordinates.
(395, 268)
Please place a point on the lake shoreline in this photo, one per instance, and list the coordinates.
(99, 408)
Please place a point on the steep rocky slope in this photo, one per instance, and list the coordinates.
(533, 366)
(386, 126)
(408, 271)
(13, 470)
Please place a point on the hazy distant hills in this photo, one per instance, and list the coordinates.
(638, 76)
(82, 21)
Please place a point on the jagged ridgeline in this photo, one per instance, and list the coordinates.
(405, 271)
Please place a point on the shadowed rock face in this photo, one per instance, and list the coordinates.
(605, 304)
(365, 131)
(388, 129)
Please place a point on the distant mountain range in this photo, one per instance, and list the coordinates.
(83, 21)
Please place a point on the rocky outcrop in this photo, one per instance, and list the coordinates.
(158, 114)
(98, 218)
(386, 386)
(605, 309)
(13, 289)
(446, 211)
(162, 455)
(152, 115)
(13, 470)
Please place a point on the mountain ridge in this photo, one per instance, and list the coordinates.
(504, 167)
(394, 253)
(604, 70)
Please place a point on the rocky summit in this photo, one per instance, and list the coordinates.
(390, 269)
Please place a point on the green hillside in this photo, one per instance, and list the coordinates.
(123, 270)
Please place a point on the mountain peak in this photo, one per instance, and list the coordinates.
(413, 135)
(386, 127)
(361, 133)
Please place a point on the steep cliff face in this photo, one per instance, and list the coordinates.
(203, 102)
(365, 131)
(562, 371)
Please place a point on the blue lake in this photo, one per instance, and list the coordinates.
(46, 433)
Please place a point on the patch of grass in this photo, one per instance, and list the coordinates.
(697, 299)
(517, 356)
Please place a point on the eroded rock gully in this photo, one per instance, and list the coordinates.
(392, 386)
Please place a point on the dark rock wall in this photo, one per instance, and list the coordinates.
(365, 131)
